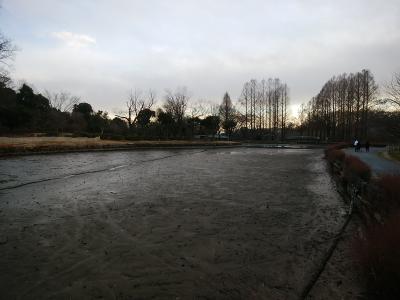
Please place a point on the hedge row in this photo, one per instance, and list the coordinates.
(377, 252)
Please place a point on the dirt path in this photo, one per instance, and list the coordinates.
(225, 223)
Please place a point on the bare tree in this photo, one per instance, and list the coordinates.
(62, 101)
(135, 104)
(227, 114)
(176, 103)
(284, 104)
(7, 51)
(213, 109)
(342, 107)
(244, 101)
(393, 91)
(151, 98)
(197, 109)
(265, 106)
(5, 79)
(226, 110)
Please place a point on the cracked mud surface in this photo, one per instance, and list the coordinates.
(216, 224)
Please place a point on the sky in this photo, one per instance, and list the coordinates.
(100, 50)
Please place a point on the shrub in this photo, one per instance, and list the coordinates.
(390, 187)
(335, 155)
(115, 137)
(378, 255)
(336, 146)
(355, 169)
(384, 194)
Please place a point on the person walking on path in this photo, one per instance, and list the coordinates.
(367, 146)
(356, 145)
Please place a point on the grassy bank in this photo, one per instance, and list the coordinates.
(26, 145)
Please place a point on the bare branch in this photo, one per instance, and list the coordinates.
(7, 49)
(151, 98)
(5, 80)
(393, 91)
(176, 103)
(135, 104)
(63, 101)
(197, 110)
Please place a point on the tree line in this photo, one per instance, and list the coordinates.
(264, 108)
(23, 111)
(261, 111)
(348, 107)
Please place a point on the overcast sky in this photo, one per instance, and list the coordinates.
(100, 49)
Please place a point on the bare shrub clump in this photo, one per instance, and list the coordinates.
(378, 255)
(355, 169)
(335, 156)
(384, 194)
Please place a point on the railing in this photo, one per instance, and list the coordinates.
(393, 148)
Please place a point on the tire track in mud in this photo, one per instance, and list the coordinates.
(79, 225)
(316, 275)
(73, 236)
(82, 266)
(95, 171)
(85, 265)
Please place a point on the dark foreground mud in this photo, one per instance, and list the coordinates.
(224, 223)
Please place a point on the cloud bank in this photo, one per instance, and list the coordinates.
(101, 50)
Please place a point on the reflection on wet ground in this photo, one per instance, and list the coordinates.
(222, 223)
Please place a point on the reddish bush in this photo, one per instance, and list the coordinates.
(336, 146)
(335, 155)
(378, 255)
(384, 194)
(355, 169)
(389, 185)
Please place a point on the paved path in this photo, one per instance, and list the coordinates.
(378, 164)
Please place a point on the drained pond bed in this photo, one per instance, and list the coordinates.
(216, 223)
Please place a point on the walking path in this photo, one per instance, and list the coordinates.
(379, 165)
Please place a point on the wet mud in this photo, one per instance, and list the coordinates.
(217, 224)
